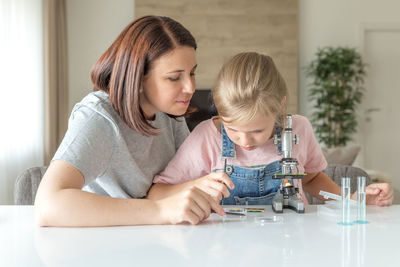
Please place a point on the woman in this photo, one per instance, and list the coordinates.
(124, 133)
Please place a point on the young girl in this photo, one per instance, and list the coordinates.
(250, 96)
(124, 133)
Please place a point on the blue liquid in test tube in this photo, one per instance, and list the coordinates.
(361, 201)
(346, 192)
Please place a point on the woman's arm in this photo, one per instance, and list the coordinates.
(215, 184)
(61, 202)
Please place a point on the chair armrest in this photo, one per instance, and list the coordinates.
(336, 172)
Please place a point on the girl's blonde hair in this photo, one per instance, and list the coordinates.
(247, 85)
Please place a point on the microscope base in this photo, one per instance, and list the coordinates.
(293, 203)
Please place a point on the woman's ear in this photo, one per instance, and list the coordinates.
(141, 89)
(283, 101)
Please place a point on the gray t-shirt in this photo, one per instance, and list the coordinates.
(115, 160)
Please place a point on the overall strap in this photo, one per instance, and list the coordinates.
(228, 147)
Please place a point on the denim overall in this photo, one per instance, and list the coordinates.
(253, 185)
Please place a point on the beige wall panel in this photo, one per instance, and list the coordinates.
(225, 27)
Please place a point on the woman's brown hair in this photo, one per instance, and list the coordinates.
(121, 69)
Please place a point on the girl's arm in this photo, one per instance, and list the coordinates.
(315, 182)
(193, 160)
(377, 194)
(61, 202)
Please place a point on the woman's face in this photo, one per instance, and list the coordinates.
(170, 83)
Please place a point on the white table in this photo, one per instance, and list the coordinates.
(308, 239)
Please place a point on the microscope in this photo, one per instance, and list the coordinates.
(287, 195)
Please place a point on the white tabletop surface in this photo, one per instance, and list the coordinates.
(310, 239)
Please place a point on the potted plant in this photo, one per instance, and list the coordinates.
(336, 90)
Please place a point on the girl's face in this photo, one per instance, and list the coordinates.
(169, 84)
(252, 134)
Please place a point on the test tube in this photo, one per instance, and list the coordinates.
(346, 217)
(361, 201)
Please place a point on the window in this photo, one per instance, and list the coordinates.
(21, 87)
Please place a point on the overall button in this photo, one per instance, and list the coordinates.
(228, 169)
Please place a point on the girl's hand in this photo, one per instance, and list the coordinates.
(215, 184)
(378, 194)
(191, 205)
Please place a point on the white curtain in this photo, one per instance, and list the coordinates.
(21, 87)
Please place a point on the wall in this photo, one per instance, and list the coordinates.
(225, 27)
(92, 26)
(334, 23)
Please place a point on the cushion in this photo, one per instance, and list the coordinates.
(341, 155)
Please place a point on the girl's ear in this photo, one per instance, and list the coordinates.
(283, 101)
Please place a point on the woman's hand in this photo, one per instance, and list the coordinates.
(191, 205)
(215, 184)
(378, 194)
